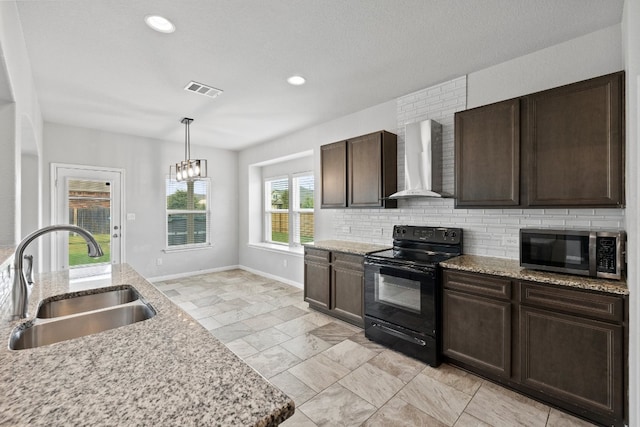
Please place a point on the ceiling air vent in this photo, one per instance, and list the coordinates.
(202, 89)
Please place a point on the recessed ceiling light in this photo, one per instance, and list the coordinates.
(296, 80)
(160, 23)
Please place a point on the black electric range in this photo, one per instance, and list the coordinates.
(403, 290)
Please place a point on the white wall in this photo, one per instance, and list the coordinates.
(146, 163)
(379, 117)
(589, 56)
(24, 108)
(631, 48)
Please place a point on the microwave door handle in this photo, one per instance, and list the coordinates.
(593, 250)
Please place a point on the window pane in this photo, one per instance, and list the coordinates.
(89, 208)
(306, 227)
(186, 195)
(305, 191)
(279, 190)
(280, 227)
(185, 229)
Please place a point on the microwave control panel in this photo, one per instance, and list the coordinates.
(606, 254)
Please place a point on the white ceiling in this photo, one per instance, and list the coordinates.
(97, 65)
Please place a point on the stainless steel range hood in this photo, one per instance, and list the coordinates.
(422, 161)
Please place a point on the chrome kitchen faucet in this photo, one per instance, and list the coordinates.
(20, 293)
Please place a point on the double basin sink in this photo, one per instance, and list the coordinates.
(68, 316)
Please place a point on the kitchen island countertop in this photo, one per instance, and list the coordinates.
(511, 268)
(167, 370)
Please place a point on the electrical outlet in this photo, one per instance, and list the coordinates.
(131, 217)
(159, 261)
(346, 229)
(284, 263)
(509, 241)
(377, 231)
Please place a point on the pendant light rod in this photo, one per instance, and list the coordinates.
(187, 137)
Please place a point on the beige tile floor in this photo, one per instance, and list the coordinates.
(335, 375)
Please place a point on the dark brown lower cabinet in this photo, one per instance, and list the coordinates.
(564, 346)
(334, 284)
(317, 277)
(574, 359)
(347, 287)
(489, 348)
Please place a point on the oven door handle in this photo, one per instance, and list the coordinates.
(399, 334)
(408, 269)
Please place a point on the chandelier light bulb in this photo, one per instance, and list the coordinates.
(189, 169)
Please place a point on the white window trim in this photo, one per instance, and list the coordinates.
(192, 246)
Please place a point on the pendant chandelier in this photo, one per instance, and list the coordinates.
(189, 169)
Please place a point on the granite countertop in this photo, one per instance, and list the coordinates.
(5, 253)
(511, 268)
(357, 248)
(167, 370)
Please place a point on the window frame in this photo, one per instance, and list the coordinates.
(293, 210)
(188, 246)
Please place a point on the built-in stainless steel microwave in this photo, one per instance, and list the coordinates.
(587, 253)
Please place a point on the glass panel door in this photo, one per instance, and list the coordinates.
(90, 198)
(89, 208)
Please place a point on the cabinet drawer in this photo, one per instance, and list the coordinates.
(573, 301)
(350, 261)
(479, 284)
(317, 255)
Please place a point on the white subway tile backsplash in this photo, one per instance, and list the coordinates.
(484, 229)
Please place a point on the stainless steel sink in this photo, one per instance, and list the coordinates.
(64, 305)
(70, 316)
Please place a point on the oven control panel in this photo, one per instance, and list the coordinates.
(427, 234)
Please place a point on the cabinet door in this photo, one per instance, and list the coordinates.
(347, 288)
(573, 359)
(576, 143)
(333, 164)
(317, 278)
(477, 332)
(487, 153)
(365, 171)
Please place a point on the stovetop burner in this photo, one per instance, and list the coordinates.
(422, 245)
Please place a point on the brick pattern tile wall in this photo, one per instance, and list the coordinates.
(488, 232)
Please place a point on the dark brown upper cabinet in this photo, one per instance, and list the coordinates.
(576, 144)
(359, 172)
(487, 154)
(563, 147)
(333, 160)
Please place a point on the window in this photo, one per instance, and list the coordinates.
(287, 210)
(187, 214)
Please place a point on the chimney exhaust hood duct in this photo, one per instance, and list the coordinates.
(422, 161)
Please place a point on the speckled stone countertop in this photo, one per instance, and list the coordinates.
(5, 253)
(167, 370)
(511, 268)
(357, 248)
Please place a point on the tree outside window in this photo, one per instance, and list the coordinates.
(187, 214)
(287, 210)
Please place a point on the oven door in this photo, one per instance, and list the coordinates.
(402, 295)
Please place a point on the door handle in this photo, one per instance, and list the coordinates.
(114, 235)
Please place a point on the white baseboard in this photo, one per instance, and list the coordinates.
(272, 277)
(191, 273)
(230, 267)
